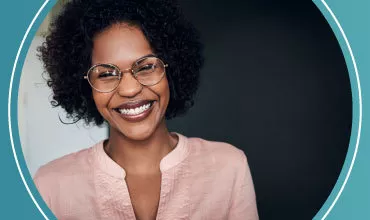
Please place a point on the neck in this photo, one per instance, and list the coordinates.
(141, 156)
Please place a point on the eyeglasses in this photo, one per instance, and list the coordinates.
(148, 71)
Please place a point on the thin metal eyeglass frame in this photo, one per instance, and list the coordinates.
(121, 72)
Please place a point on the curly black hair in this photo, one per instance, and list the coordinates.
(66, 53)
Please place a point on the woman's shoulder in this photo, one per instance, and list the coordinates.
(210, 146)
(65, 166)
(215, 151)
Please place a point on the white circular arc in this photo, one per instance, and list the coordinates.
(360, 110)
(357, 80)
(9, 113)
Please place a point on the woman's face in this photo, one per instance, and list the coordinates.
(132, 110)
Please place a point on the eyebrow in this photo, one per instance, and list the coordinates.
(138, 61)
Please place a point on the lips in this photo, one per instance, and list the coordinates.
(135, 110)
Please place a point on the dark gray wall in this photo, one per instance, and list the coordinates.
(275, 85)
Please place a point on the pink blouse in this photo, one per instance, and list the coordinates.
(201, 180)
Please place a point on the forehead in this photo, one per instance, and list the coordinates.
(120, 44)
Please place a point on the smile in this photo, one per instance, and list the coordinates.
(135, 111)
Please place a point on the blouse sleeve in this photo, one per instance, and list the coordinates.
(243, 205)
(41, 185)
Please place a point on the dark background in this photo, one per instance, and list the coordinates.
(275, 85)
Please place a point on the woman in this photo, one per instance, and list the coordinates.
(134, 64)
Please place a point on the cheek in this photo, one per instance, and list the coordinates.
(101, 102)
(165, 94)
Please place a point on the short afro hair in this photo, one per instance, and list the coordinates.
(66, 53)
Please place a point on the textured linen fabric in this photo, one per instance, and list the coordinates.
(201, 180)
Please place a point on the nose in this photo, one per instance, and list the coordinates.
(129, 86)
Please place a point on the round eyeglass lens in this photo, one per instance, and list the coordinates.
(149, 71)
(104, 77)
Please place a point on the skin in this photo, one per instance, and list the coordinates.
(138, 147)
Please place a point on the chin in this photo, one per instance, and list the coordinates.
(136, 133)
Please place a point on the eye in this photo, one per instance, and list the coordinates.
(146, 68)
(107, 74)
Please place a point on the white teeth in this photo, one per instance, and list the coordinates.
(135, 111)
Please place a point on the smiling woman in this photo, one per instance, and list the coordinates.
(133, 64)
(126, 46)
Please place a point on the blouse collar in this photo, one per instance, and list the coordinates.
(106, 164)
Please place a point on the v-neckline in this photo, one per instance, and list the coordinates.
(173, 158)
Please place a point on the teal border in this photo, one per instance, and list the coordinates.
(356, 109)
(13, 109)
(353, 201)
